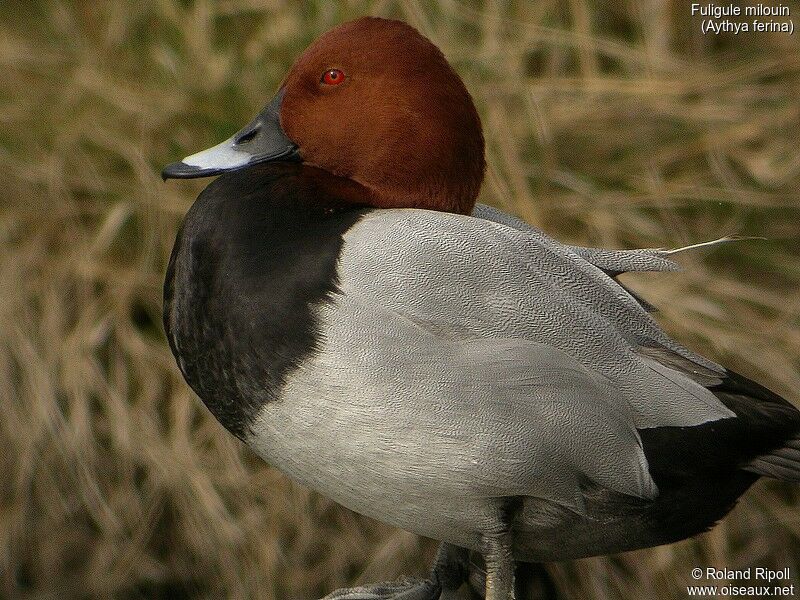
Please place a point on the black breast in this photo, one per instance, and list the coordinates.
(256, 252)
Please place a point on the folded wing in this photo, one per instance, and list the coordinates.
(463, 278)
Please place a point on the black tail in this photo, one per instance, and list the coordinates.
(702, 470)
(763, 438)
(782, 461)
(773, 425)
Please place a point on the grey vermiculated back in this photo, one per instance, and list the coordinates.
(612, 261)
(421, 264)
(523, 363)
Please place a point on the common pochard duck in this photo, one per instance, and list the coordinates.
(342, 306)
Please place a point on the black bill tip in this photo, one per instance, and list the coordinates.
(180, 170)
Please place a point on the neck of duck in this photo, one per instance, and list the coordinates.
(448, 182)
(431, 195)
(255, 255)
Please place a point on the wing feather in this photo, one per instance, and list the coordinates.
(463, 278)
(511, 417)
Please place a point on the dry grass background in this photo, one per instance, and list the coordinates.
(608, 123)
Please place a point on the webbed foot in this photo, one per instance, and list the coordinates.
(449, 571)
(403, 589)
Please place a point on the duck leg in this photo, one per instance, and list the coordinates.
(531, 581)
(499, 567)
(449, 571)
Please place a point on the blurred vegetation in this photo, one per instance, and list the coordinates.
(608, 123)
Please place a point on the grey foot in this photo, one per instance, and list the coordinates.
(403, 589)
(449, 571)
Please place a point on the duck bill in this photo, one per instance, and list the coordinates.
(262, 140)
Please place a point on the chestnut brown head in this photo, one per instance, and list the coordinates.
(374, 101)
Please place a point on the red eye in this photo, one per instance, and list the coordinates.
(332, 77)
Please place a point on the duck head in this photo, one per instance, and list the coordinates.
(372, 101)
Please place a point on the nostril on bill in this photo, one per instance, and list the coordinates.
(247, 135)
